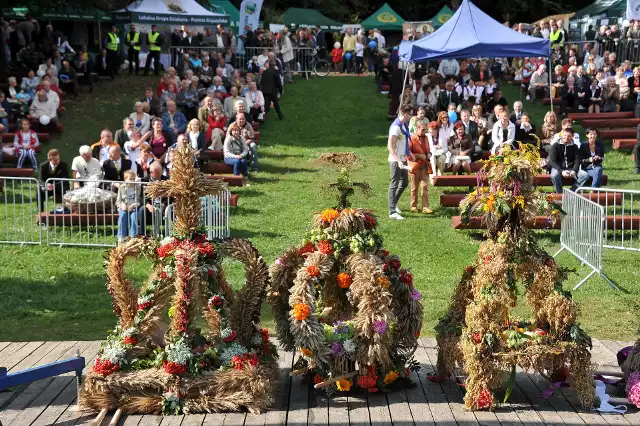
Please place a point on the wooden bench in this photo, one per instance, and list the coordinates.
(230, 180)
(613, 123)
(604, 199)
(210, 154)
(15, 172)
(256, 126)
(580, 116)
(624, 144)
(8, 137)
(77, 219)
(610, 134)
(471, 180)
(234, 200)
(547, 101)
(542, 222)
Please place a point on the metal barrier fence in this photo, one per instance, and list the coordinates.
(622, 224)
(625, 49)
(18, 208)
(582, 231)
(89, 217)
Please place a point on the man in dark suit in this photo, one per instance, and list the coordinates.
(516, 115)
(272, 88)
(448, 96)
(115, 167)
(321, 41)
(53, 168)
(176, 40)
(190, 40)
(153, 101)
(471, 130)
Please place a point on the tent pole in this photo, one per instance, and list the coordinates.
(404, 83)
(549, 72)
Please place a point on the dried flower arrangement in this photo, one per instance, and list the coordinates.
(146, 366)
(477, 333)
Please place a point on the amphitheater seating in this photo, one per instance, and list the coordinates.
(14, 172)
(471, 180)
(605, 199)
(624, 144)
(230, 180)
(547, 101)
(580, 116)
(610, 134)
(612, 123)
(8, 137)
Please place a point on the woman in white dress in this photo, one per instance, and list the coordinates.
(438, 150)
(132, 147)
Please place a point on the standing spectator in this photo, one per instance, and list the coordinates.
(173, 121)
(26, 143)
(236, 152)
(115, 166)
(564, 160)
(154, 42)
(272, 89)
(336, 57)
(591, 156)
(349, 44)
(133, 49)
(503, 133)
(397, 145)
(419, 176)
(53, 168)
(590, 34)
(85, 166)
(449, 69)
(360, 55)
(128, 201)
(176, 52)
(111, 43)
(286, 50)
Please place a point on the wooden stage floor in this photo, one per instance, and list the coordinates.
(52, 401)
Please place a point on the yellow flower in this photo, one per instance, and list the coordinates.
(344, 385)
(554, 212)
(329, 215)
(306, 352)
(520, 201)
(391, 377)
(501, 194)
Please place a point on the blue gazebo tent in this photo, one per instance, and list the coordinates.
(472, 33)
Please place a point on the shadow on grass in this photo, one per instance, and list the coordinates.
(277, 170)
(245, 233)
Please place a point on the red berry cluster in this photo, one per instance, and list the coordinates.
(216, 303)
(306, 249)
(230, 338)
(129, 340)
(369, 381)
(406, 277)
(240, 362)
(105, 367)
(325, 247)
(145, 305)
(395, 263)
(369, 221)
(173, 367)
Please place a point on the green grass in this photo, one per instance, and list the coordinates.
(58, 293)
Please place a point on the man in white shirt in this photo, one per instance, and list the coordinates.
(397, 146)
(230, 104)
(566, 124)
(472, 90)
(449, 68)
(46, 86)
(84, 166)
(263, 58)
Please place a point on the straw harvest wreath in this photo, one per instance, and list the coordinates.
(146, 367)
(346, 305)
(477, 333)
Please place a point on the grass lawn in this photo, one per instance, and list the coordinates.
(58, 293)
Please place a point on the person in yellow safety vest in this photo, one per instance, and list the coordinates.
(153, 42)
(133, 49)
(555, 36)
(111, 45)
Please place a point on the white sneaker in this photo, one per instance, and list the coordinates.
(396, 216)
(528, 97)
(398, 210)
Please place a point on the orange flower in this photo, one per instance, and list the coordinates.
(329, 215)
(383, 281)
(301, 311)
(325, 247)
(313, 271)
(344, 280)
(391, 377)
(306, 352)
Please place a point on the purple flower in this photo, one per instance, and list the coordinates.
(380, 327)
(415, 294)
(278, 261)
(340, 327)
(336, 348)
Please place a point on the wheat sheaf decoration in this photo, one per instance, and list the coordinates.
(478, 333)
(346, 306)
(160, 359)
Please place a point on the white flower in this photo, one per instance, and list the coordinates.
(226, 333)
(178, 352)
(349, 346)
(114, 351)
(168, 269)
(166, 240)
(129, 332)
(230, 351)
(145, 298)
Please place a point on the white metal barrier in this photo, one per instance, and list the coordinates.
(582, 231)
(18, 208)
(622, 227)
(215, 216)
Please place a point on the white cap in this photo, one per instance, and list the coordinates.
(85, 149)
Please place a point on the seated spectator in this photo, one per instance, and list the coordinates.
(195, 63)
(237, 80)
(427, 99)
(472, 132)
(593, 97)
(52, 91)
(172, 77)
(255, 102)
(168, 95)
(5, 111)
(85, 166)
(449, 69)
(216, 129)
(159, 139)
(526, 131)
(124, 135)
(407, 97)
(132, 148)
(249, 135)
(128, 202)
(503, 133)
(564, 160)
(494, 118)
(438, 150)
(18, 99)
(611, 96)
(44, 116)
(115, 167)
(217, 89)
(187, 100)
(153, 209)
(445, 127)
(489, 88)
(26, 142)
(173, 121)
(143, 163)
(68, 79)
(139, 120)
(420, 117)
(558, 81)
(460, 148)
(517, 113)
(152, 103)
(29, 84)
(241, 108)
(591, 156)
(496, 99)
(206, 73)
(236, 152)
(418, 175)
(196, 138)
(471, 90)
(231, 102)
(482, 124)
(43, 68)
(569, 96)
(53, 168)
(625, 91)
(539, 84)
(448, 96)
(204, 111)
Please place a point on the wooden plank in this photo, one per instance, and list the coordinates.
(319, 410)
(528, 389)
(298, 401)
(193, 420)
(378, 409)
(214, 419)
(57, 396)
(17, 356)
(277, 415)
(233, 419)
(4, 345)
(150, 420)
(589, 417)
(358, 408)
(131, 420)
(33, 390)
(521, 407)
(557, 401)
(418, 404)
(399, 408)
(336, 411)
(172, 420)
(614, 346)
(603, 358)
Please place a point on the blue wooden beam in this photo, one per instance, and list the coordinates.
(31, 375)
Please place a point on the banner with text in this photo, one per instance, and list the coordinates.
(249, 15)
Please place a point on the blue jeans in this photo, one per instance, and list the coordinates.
(127, 223)
(556, 180)
(595, 173)
(239, 166)
(253, 149)
(5, 122)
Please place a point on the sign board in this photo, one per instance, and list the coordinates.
(418, 29)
